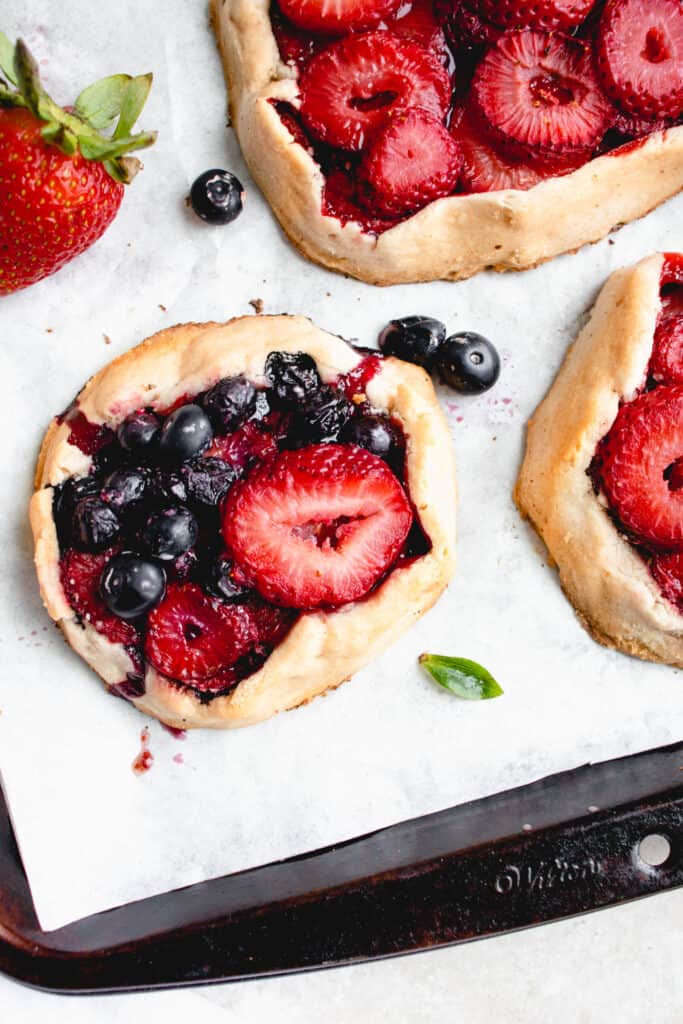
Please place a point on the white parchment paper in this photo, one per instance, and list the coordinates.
(388, 745)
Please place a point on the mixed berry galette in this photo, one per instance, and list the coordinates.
(602, 479)
(231, 519)
(410, 141)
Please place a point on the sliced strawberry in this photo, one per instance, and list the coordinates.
(637, 455)
(80, 574)
(272, 624)
(640, 56)
(672, 285)
(666, 364)
(413, 161)
(336, 17)
(318, 526)
(486, 168)
(668, 573)
(349, 91)
(547, 14)
(419, 24)
(538, 92)
(192, 636)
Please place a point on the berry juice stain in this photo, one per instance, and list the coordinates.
(145, 759)
(177, 734)
(178, 759)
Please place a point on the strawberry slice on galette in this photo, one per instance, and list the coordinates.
(232, 519)
(602, 478)
(433, 139)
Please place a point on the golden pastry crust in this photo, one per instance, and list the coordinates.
(451, 238)
(323, 649)
(602, 574)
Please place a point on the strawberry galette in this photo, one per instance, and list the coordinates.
(231, 519)
(602, 479)
(421, 140)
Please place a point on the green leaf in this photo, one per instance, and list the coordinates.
(108, 149)
(133, 100)
(462, 677)
(7, 59)
(100, 104)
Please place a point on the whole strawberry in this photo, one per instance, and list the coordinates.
(62, 172)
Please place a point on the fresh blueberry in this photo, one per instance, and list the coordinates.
(170, 533)
(187, 432)
(139, 433)
(208, 480)
(130, 586)
(124, 487)
(416, 339)
(323, 417)
(217, 196)
(293, 377)
(469, 363)
(95, 525)
(169, 486)
(376, 433)
(220, 580)
(229, 403)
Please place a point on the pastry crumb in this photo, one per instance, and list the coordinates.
(107, 339)
(256, 305)
(162, 307)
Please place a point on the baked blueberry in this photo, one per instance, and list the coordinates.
(217, 196)
(124, 487)
(95, 524)
(221, 580)
(131, 586)
(376, 433)
(66, 496)
(416, 339)
(208, 480)
(170, 533)
(187, 432)
(139, 433)
(293, 377)
(229, 403)
(469, 363)
(169, 486)
(323, 416)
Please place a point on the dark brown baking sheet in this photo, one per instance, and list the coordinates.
(562, 846)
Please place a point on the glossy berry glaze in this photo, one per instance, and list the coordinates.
(145, 538)
(507, 68)
(638, 466)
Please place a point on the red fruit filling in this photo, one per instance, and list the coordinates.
(350, 90)
(639, 463)
(672, 285)
(526, 69)
(319, 526)
(80, 573)
(640, 56)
